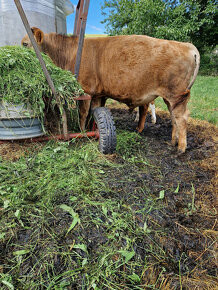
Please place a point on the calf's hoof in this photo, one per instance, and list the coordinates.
(181, 150)
(153, 120)
(174, 142)
(139, 130)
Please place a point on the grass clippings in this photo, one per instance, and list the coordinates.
(13, 151)
(72, 218)
(22, 81)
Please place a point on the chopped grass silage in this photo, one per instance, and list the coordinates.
(77, 234)
(22, 81)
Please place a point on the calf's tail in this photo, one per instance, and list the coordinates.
(183, 98)
(197, 65)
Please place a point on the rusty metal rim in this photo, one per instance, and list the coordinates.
(70, 136)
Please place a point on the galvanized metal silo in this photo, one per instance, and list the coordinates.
(48, 15)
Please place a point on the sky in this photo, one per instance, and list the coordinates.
(93, 25)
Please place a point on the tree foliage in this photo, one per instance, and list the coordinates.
(182, 20)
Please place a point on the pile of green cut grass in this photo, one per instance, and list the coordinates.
(60, 224)
(203, 104)
(72, 218)
(22, 81)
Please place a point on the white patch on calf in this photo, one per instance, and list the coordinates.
(137, 115)
(153, 114)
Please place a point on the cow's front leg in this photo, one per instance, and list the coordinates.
(98, 101)
(142, 116)
(84, 107)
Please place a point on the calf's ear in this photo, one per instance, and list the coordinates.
(39, 35)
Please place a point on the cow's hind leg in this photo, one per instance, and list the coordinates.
(181, 122)
(181, 113)
(175, 134)
(142, 116)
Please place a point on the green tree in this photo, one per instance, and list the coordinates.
(118, 15)
(184, 20)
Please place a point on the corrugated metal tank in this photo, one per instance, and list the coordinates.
(48, 15)
(18, 129)
(18, 122)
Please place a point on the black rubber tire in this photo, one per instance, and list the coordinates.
(107, 130)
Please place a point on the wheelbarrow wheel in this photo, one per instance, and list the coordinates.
(107, 130)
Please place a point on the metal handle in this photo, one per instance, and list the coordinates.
(80, 25)
(35, 46)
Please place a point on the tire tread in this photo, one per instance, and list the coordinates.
(107, 130)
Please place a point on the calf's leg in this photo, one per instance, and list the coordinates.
(181, 116)
(137, 115)
(84, 107)
(142, 116)
(174, 139)
(153, 114)
(98, 101)
(181, 113)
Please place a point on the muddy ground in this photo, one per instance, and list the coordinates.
(188, 218)
(191, 233)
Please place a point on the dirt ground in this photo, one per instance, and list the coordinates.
(190, 183)
(190, 232)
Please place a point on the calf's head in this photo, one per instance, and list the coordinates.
(38, 35)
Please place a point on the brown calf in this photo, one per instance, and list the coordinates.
(132, 69)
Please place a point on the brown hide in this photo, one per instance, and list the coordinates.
(132, 69)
